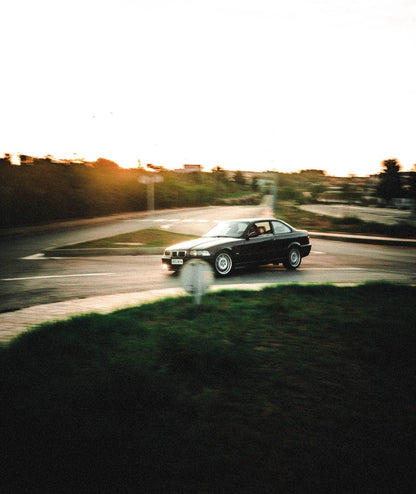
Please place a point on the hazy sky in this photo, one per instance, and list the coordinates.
(243, 84)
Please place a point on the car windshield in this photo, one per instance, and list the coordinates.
(234, 229)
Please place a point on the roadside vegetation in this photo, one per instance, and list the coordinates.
(41, 190)
(290, 389)
(45, 191)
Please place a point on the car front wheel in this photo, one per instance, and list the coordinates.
(223, 263)
(293, 259)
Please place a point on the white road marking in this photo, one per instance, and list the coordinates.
(346, 268)
(35, 257)
(81, 275)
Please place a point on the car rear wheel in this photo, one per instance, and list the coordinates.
(293, 259)
(223, 263)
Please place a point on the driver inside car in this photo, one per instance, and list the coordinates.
(256, 230)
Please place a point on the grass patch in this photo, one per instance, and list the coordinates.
(148, 237)
(291, 389)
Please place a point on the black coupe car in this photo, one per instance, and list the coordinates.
(243, 242)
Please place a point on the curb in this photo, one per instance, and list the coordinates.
(96, 252)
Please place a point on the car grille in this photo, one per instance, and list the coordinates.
(176, 253)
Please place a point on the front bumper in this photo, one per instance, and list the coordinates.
(176, 263)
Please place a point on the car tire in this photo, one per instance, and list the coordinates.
(223, 263)
(293, 259)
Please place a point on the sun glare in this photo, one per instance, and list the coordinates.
(253, 85)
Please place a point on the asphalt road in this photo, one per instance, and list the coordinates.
(28, 278)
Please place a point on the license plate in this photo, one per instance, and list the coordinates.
(177, 261)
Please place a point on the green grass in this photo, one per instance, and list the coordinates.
(148, 237)
(291, 389)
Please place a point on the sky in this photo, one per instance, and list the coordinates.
(255, 85)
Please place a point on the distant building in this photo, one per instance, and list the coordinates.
(156, 168)
(26, 160)
(189, 169)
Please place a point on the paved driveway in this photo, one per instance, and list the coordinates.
(379, 215)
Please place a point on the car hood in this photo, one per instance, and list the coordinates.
(203, 243)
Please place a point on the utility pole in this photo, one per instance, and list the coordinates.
(150, 180)
(275, 187)
(274, 183)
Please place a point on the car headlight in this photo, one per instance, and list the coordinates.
(200, 253)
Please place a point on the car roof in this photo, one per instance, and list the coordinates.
(252, 220)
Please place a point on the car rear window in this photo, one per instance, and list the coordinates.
(279, 227)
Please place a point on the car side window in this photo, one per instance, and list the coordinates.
(261, 228)
(279, 227)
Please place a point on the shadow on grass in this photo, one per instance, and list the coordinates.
(291, 389)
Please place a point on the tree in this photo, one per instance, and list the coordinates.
(239, 178)
(104, 164)
(6, 160)
(412, 186)
(349, 192)
(390, 185)
(220, 174)
(312, 175)
(316, 189)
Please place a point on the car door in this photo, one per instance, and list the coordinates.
(282, 236)
(266, 237)
(257, 249)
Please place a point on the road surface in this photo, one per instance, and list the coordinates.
(28, 278)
